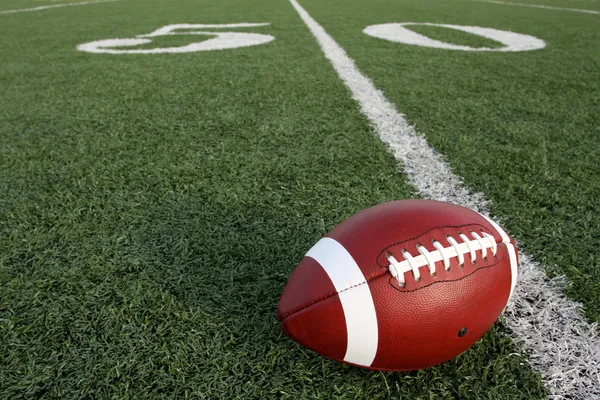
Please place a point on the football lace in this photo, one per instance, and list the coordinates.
(458, 250)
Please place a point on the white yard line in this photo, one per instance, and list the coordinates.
(562, 345)
(538, 6)
(53, 6)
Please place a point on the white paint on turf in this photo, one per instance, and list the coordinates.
(20, 10)
(562, 345)
(396, 32)
(539, 6)
(221, 41)
(186, 28)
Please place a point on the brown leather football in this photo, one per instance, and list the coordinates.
(400, 286)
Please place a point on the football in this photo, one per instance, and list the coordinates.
(400, 286)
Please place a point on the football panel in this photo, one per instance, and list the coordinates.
(424, 327)
(308, 284)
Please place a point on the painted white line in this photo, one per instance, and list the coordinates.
(53, 6)
(538, 6)
(563, 347)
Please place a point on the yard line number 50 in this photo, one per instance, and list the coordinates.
(395, 32)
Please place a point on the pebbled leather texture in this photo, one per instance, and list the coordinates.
(419, 323)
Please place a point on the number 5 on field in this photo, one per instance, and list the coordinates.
(222, 40)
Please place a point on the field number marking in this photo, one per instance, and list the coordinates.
(396, 32)
(222, 40)
(20, 10)
(539, 6)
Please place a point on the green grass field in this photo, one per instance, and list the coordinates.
(592, 5)
(152, 206)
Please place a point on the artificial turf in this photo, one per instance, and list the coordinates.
(152, 207)
(522, 128)
(567, 4)
(26, 4)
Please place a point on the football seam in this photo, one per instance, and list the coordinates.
(372, 278)
(318, 299)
